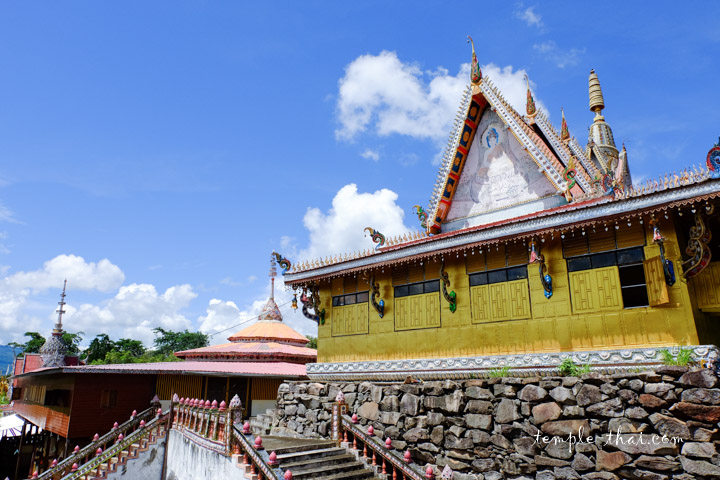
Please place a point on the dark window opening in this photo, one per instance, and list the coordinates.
(430, 286)
(57, 398)
(349, 299)
(498, 276)
(108, 399)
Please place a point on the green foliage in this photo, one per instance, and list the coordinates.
(115, 356)
(130, 347)
(72, 342)
(499, 372)
(4, 389)
(35, 343)
(568, 368)
(167, 341)
(683, 358)
(312, 342)
(98, 348)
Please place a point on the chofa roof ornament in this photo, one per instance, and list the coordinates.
(475, 72)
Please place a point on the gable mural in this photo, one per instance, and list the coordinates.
(498, 174)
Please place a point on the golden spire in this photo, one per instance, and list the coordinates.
(475, 73)
(530, 103)
(564, 133)
(597, 103)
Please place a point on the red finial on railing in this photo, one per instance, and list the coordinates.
(388, 443)
(54, 463)
(429, 474)
(76, 449)
(371, 430)
(98, 451)
(354, 418)
(142, 423)
(120, 438)
(96, 437)
(115, 425)
(214, 404)
(258, 443)
(407, 456)
(223, 406)
(273, 458)
(35, 474)
(159, 412)
(246, 428)
(182, 400)
(207, 403)
(288, 475)
(133, 414)
(74, 467)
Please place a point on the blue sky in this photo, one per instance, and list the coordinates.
(155, 153)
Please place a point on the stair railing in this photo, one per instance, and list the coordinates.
(255, 459)
(82, 455)
(377, 453)
(93, 466)
(206, 423)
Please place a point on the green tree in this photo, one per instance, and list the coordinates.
(312, 342)
(132, 347)
(35, 343)
(167, 341)
(98, 348)
(72, 342)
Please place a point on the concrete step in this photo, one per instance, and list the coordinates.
(359, 473)
(330, 471)
(309, 454)
(317, 462)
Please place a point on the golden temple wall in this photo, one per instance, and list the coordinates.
(515, 317)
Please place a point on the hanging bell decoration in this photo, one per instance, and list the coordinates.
(294, 301)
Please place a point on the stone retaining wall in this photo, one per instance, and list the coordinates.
(653, 425)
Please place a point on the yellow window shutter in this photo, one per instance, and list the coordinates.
(475, 262)
(581, 289)
(655, 279)
(632, 236)
(480, 298)
(519, 299)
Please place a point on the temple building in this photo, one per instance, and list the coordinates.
(73, 402)
(533, 249)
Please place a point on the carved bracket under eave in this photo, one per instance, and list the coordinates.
(545, 278)
(451, 297)
(668, 268)
(312, 302)
(378, 306)
(698, 246)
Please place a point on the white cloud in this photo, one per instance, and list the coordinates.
(560, 57)
(340, 229)
(370, 155)
(134, 312)
(530, 17)
(397, 97)
(81, 275)
(385, 96)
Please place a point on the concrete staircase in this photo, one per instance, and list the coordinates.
(319, 459)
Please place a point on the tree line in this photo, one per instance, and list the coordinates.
(103, 349)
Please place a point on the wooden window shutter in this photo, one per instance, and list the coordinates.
(602, 241)
(496, 258)
(517, 254)
(337, 286)
(632, 236)
(416, 273)
(655, 279)
(575, 245)
(399, 275)
(475, 263)
(350, 284)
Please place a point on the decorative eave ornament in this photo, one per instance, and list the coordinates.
(564, 132)
(475, 72)
(283, 262)
(376, 237)
(530, 108)
(713, 160)
(422, 216)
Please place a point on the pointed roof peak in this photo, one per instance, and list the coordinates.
(530, 108)
(475, 72)
(597, 102)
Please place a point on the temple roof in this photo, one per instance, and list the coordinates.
(269, 330)
(258, 350)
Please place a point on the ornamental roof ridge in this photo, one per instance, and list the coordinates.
(674, 190)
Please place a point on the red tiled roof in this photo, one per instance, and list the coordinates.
(239, 350)
(264, 369)
(269, 330)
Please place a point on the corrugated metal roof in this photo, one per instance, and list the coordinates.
(265, 369)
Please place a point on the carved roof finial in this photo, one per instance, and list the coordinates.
(564, 132)
(475, 72)
(530, 108)
(597, 102)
